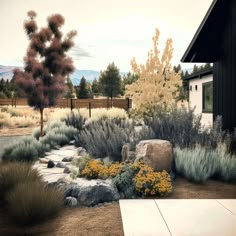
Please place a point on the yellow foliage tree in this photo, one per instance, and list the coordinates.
(157, 82)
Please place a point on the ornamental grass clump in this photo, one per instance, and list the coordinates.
(200, 164)
(14, 173)
(75, 120)
(33, 202)
(197, 165)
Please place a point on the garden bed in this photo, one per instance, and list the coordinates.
(106, 220)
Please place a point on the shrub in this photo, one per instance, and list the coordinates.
(179, 126)
(58, 135)
(95, 169)
(149, 183)
(14, 173)
(50, 126)
(105, 137)
(25, 149)
(53, 139)
(75, 120)
(199, 164)
(124, 181)
(33, 202)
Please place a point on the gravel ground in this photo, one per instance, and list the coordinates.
(6, 140)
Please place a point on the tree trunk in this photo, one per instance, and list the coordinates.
(41, 122)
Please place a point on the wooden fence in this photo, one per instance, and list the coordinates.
(76, 103)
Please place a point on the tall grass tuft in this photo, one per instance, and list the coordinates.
(33, 202)
(11, 174)
(105, 138)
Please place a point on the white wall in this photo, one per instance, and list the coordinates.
(195, 98)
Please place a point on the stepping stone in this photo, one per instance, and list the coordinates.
(54, 178)
(55, 158)
(43, 160)
(142, 217)
(68, 147)
(52, 170)
(198, 217)
(64, 153)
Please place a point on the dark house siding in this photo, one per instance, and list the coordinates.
(224, 89)
(215, 42)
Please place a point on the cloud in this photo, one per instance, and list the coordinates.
(77, 52)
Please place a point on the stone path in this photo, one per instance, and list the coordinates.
(179, 217)
(51, 175)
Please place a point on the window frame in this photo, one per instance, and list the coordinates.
(204, 110)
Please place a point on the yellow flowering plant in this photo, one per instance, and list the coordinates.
(149, 183)
(146, 181)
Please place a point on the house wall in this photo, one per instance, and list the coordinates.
(224, 95)
(195, 99)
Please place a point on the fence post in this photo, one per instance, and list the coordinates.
(127, 103)
(107, 103)
(15, 101)
(71, 104)
(89, 109)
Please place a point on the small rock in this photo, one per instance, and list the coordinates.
(67, 170)
(70, 201)
(60, 165)
(51, 164)
(68, 159)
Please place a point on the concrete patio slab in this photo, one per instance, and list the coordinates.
(197, 217)
(229, 204)
(142, 218)
(179, 217)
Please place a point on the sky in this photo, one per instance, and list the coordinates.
(108, 31)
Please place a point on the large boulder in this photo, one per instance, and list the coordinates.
(156, 153)
(98, 193)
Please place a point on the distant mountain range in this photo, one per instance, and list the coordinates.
(6, 72)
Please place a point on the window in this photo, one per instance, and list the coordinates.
(196, 87)
(207, 97)
(190, 87)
